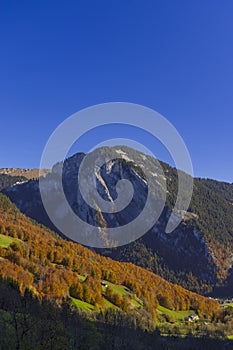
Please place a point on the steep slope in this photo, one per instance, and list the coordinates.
(53, 268)
(197, 255)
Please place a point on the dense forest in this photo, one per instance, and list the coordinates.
(223, 189)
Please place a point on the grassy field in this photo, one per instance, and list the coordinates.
(178, 315)
(124, 291)
(82, 305)
(108, 304)
(81, 278)
(89, 307)
(119, 289)
(231, 304)
(5, 241)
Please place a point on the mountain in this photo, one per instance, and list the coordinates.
(197, 254)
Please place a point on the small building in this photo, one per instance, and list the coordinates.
(192, 318)
(195, 317)
(104, 284)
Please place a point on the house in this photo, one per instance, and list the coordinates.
(195, 317)
(192, 318)
(104, 284)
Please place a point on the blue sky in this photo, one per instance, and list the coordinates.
(175, 56)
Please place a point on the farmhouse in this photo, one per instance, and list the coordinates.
(104, 284)
(191, 318)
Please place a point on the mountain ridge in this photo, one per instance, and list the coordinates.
(26, 173)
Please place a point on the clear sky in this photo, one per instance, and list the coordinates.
(175, 56)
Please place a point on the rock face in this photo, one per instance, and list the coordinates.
(189, 255)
